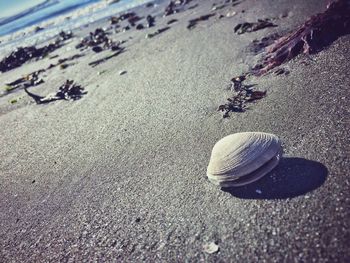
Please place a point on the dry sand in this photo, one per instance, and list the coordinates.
(119, 175)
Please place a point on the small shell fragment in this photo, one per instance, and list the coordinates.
(230, 14)
(242, 158)
(211, 248)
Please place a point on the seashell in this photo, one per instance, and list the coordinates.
(242, 158)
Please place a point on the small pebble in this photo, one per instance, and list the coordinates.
(230, 14)
(258, 191)
(101, 72)
(211, 248)
(122, 72)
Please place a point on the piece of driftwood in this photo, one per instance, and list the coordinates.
(315, 34)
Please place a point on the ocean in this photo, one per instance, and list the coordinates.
(11, 21)
(33, 21)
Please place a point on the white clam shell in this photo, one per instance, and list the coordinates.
(242, 158)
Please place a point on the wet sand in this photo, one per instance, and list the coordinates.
(120, 175)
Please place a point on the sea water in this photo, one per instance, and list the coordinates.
(21, 20)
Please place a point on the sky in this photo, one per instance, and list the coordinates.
(12, 7)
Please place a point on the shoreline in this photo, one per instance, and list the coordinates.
(64, 22)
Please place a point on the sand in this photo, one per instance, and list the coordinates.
(120, 175)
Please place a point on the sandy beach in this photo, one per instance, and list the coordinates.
(120, 174)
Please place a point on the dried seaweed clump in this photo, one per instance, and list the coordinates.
(98, 41)
(316, 33)
(24, 54)
(242, 94)
(68, 91)
(251, 27)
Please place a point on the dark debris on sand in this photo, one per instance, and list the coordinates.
(242, 94)
(193, 22)
(98, 41)
(131, 17)
(68, 91)
(64, 60)
(30, 80)
(159, 31)
(171, 21)
(247, 27)
(24, 54)
(102, 60)
(316, 33)
(174, 6)
(258, 46)
(150, 21)
(62, 36)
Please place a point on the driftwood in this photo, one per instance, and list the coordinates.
(316, 33)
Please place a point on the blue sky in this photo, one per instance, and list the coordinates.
(12, 7)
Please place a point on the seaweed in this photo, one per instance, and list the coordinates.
(62, 62)
(315, 34)
(242, 94)
(30, 80)
(140, 27)
(22, 55)
(62, 36)
(68, 91)
(150, 20)
(98, 41)
(173, 6)
(132, 18)
(170, 9)
(251, 27)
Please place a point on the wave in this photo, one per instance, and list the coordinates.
(33, 9)
(40, 13)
